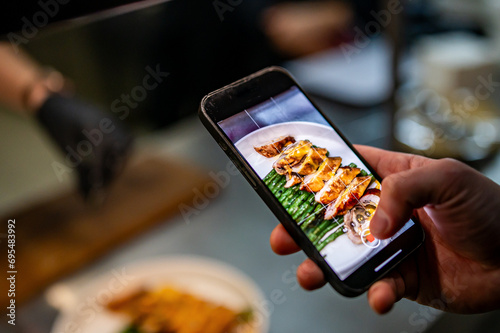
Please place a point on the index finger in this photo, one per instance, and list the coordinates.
(281, 242)
(387, 162)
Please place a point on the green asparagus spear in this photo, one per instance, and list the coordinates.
(276, 182)
(286, 203)
(312, 216)
(323, 225)
(329, 239)
(270, 176)
(288, 193)
(131, 329)
(306, 206)
(297, 204)
(327, 230)
(307, 220)
(304, 215)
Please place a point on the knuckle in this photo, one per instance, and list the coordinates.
(416, 161)
(391, 184)
(451, 169)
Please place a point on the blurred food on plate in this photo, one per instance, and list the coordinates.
(171, 310)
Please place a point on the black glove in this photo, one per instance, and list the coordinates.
(93, 142)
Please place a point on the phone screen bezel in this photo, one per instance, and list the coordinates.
(259, 87)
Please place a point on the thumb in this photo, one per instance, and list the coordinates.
(405, 191)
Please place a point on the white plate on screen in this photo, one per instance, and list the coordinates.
(208, 279)
(341, 254)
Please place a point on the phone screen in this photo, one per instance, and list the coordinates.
(322, 184)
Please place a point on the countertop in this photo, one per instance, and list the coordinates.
(234, 228)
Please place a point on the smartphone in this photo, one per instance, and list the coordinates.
(318, 186)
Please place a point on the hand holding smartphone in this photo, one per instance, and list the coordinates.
(309, 175)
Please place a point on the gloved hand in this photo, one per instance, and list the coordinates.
(94, 143)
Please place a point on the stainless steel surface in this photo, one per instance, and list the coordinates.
(235, 228)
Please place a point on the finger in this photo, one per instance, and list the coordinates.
(96, 174)
(383, 294)
(84, 179)
(310, 276)
(281, 242)
(115, 157)
(112, 164)
(408, 190)
(386, 162)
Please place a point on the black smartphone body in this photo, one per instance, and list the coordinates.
(318, 186)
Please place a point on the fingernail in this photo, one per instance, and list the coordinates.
(379, 224)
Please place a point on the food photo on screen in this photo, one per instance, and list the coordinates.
(323, 185)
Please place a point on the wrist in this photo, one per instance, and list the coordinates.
(37, 93)
(35, 96)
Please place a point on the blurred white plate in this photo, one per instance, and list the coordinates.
(208, 279)
(341, 254)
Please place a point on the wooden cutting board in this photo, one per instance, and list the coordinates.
(59, 236)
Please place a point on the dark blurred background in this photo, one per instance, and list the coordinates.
(404, 75)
